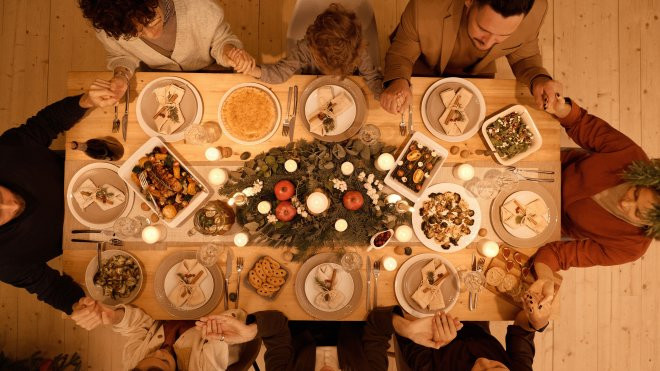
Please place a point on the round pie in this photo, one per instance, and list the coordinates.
(249, 114)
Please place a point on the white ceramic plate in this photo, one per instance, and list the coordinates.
(432, 105)
(93, 216)
(404, 288)
(171, 281)
(196, 202)
(344, 283)
(465, 195)
(191, 105)
(525, 197)
(96, 292)
(276, 102)
(537, 141)
(344, 121)
(402, 189)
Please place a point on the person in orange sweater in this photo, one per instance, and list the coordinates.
(610, 196)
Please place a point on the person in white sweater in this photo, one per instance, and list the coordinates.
(173, 35)
(162, 345)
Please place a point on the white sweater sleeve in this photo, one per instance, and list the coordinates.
(222, 36)
(116, 55)
(137, 327)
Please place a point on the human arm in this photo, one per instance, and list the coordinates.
(296, 59)
(370, 73)
(527, 65)
(116, 56)
(58, 291)
(224, 40)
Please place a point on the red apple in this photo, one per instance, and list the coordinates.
(353, 200)
(285, 211)
(284, 190)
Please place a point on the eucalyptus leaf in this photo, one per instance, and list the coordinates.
(338, 151)
(365, 153)
(351, 152)
(357, 145)
(252, 226)
(329, 165)
(270, 160)
(268, 173)
(250, 172)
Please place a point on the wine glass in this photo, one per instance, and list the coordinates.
(473, 281)
(351, 261)
(507, 180)
(126, 227)
(208, 253)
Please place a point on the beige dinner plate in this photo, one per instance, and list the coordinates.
(532, 240)
(162, 282)
(191, 107)
(93, 216)
(408, 279)
(300, 287)
(359, 112)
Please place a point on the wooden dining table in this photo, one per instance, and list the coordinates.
(498, 94)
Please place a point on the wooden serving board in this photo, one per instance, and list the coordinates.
(516, 270)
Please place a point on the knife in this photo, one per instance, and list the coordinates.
(471, 295)
(124, 120)
(410, 120)
(368, 284)
(230, 260)
(292, 121)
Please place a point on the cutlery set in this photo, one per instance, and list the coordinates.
(240, 261)
(375, 270)
(291, 111)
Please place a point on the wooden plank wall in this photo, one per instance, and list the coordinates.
(605, 52)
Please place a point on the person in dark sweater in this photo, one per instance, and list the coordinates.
(31, 202)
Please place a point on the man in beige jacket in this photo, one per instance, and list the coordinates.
(464, 38)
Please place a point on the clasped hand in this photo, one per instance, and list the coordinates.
(433, 332)
(226, 328)
(89, 314)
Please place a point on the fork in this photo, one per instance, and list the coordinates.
(116, 122)
(287, 120)
(239, 268)
(376, 274)
(145, 185)
(402, 125)
(519, 172)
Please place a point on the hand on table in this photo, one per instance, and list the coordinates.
(240, 60)
(99, 94)
(89, 314)
(537, 302)
(432, 332)
(546, 91)
(226, 328)
(396, 97)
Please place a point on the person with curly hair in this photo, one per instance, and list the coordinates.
(610, 196)
(333, 45)
(173, 35)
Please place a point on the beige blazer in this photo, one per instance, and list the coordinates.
(429, 29)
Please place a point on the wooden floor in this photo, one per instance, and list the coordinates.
(604, 51)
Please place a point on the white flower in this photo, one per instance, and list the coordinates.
(377, 208)
(370, 178)
(434, 153)
(304, 214)
(420, 164)
(361, 176)
(249, 192)
(271, 218)
(380, 187)
(399, 163)
(404, 179)
(375, 202)
(376, 182)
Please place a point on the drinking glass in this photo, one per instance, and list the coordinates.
(506, 181)
(473, 281)
(369, 134)
(208, 253)
(351, 261)
(486, 188)
(126, 227)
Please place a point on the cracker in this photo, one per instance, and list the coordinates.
(495, 276)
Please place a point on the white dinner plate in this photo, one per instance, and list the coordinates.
(171, 281)
(343, 281)
(525, 197)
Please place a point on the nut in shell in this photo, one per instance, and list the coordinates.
(245, 155)
(226, 152)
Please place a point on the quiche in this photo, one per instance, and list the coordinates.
(249, 114)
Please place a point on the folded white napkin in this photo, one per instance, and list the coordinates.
(105, 196)
(169, 116)
(429, 295)
(329, 298)
(188, 292)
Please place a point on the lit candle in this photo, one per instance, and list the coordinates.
(347, 168)
(403, 233)
(464, 171)
(384, 162)
(393, 198)
(264, 207)
(151, 234)
(488, 248)
(317, 202)
(402, 207)
(291, 165)
(218, 176)
(239, 199)
(241, 239)
(341, 225)
(212, 154)
(389, 263)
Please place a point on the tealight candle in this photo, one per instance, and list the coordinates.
(347, 168)
(488, 248)
(402, 207)
(264, 207)
(389, 263)
(212, 154)
(241, 239)
(290, 166)
(393, 198)
(464, 171)
(403, 233)
(239, 199)
(152, 234)
(317, 202)
(384, 162)
(218, 176)
(341, 225)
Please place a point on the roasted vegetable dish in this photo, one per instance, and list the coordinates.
(415, 166)
(446, 217)
(170, 183)
(510, 135)
(119, 276)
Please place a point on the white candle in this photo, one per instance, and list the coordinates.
(264, 207)
(488, 248)
(384, 162)
(151, 234)
(317, 202)
(464, 171)
(393, 198)
(218, 176)
(347, 168)
(341, 225)
(239, 199)
(290, 165)
(403, 233)
(389, 263)
(212, 154)
(241, 239)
